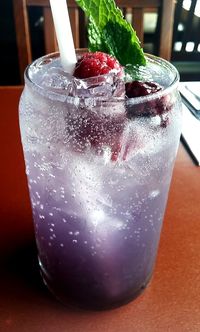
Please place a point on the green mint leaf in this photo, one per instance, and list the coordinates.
(101, 11)
(109, 32)
(95, 39)
(123, 43)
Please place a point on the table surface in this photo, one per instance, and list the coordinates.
(170, 303)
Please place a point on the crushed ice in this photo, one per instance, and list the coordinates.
(108, 85)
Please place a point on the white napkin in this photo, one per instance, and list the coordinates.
(190, 92)
(191, 133)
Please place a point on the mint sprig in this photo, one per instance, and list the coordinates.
(109, 32)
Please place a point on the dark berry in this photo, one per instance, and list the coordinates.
(95, 64)
(157, 106)
(140, 89)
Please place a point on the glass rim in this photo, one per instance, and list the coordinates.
(136, 100)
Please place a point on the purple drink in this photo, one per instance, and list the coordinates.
(99, 168)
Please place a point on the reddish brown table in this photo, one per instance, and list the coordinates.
(171, 302)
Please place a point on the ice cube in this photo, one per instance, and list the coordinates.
(103, 86)
(56, 78)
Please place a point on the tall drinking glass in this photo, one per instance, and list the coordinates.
(99, 168)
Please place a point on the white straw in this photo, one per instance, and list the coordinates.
(64, 34)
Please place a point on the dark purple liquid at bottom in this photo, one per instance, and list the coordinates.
(98, 251)
(109, 270)
(88, 296)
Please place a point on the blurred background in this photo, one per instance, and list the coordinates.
(185, 48)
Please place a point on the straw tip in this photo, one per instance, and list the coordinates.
(68, 67)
